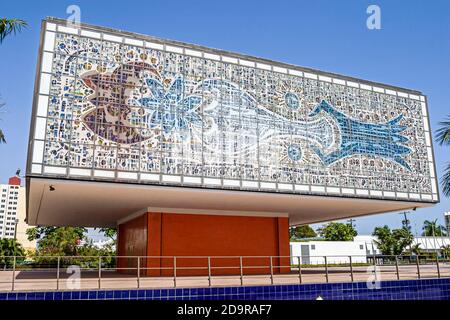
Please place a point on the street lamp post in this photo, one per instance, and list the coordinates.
(15, 229)
(351, 222)
(15, 235)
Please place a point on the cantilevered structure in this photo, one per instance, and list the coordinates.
(221, 152)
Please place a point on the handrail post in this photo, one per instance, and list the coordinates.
(174, 272)
(14, 274)
(57, 273)
(241, 270)
(437, 266)
(299, 270)
(418, 267)
(100, 272)
(351, 268)
(209, 271)
(271, 270)
(397, 268)
(139, 272)
(326, 268)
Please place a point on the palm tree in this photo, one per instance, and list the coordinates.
(416, 249)
(443, 136)
(8, 26)
(403, 239)
(2, 136)
(431, 228)
(446, 250)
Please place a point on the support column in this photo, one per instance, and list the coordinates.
(132, 241)
(283, 245)
(154, 243)
(188, 235)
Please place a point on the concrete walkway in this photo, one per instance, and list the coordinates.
(29, 280)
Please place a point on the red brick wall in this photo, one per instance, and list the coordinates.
(184, 235)
(154, 243)
(132, 241)
(215, 235)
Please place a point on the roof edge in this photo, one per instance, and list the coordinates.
(235, 55)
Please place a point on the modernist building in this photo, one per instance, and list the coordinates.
(362, 249)
(178, 143)
(447, 221)
(13, 213)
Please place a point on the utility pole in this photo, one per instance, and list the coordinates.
(15, 235)
(406, 225)
(405, 221)
(434, 240)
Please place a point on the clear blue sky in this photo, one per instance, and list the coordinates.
(411, 50)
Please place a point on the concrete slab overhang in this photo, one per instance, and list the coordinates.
(103, 204)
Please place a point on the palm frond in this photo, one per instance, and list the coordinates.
(8, 26)
(443, 133)
(2, 136)
(445, 181)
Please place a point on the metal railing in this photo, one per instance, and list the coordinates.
(114, 272)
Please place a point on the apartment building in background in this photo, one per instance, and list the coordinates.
(13, 213)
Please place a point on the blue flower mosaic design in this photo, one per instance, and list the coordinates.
(169, 108)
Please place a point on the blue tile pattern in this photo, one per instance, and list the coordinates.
(426, 289)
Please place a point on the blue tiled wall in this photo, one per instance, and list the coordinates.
(436, 289)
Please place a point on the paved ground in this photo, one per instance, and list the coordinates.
(26, 280)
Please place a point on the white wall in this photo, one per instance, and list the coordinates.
(369, 241)
(426, 243)
(336, 251)
(360, 248)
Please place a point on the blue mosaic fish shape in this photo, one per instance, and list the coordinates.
(173, 111)
(379, 140)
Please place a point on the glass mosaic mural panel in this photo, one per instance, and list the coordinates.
(162, 108)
